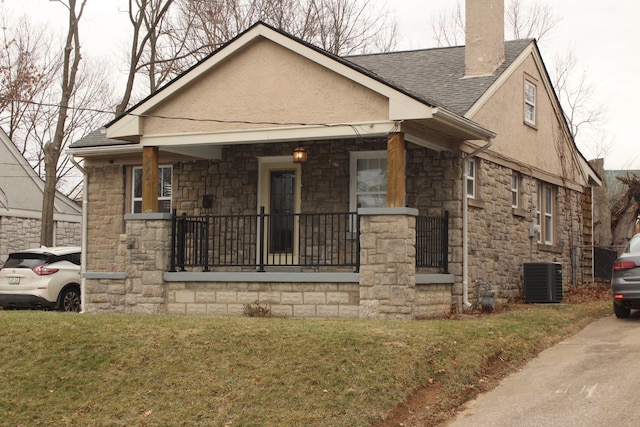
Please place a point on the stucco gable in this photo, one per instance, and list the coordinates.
(265, 84)
(548, 146)
(302, 58)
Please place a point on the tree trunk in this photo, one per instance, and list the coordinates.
(52, 150)
(49, 196)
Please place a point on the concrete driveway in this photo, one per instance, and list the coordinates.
(589, 379)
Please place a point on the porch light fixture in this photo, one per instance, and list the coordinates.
(299, 155)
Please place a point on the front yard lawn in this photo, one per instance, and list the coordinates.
(125, 370)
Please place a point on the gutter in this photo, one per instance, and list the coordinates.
(465, 228)
(83, 252)
(474, 130)
(125, 148)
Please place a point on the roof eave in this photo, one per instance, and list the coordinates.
(104, 150)
(470, 129)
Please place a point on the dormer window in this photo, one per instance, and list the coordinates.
(529, 103)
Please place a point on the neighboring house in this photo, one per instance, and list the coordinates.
(372, 186)
(21, 191)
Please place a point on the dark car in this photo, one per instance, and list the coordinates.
(625, 281)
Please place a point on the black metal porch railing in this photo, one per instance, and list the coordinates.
(432, 242)
(297, 240)
(312, 240)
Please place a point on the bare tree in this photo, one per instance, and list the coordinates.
(167, 39)
(448, 26)
(147, 18)
(576, 94)
(533, 20)
(31, 66)
(346, 27)
(626, 211)
(522, 21)
(339, 26)
(90, 99)
(53, 149)
(27, 70)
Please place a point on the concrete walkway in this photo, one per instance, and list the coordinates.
(590, 379)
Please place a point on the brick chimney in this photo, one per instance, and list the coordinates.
(484, 36)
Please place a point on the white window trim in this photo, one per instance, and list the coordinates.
(470, 178)
(353, 173)
(546, 211)
(139, 199)
(529, 103)
(538, 212)
(515, 190)
(548, 215)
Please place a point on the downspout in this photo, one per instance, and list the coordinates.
(465, 229)
(83, 253)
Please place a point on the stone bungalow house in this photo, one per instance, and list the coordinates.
(376, 186)
(21, 191)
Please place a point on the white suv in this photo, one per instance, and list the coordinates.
(42, 278)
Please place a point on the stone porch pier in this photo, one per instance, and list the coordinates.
(387, 263)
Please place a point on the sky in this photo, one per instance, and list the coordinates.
(603, 35)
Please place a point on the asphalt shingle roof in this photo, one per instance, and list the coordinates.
(97, 138)
(436, 75)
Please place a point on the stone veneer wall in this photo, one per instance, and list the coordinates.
(148, 249)
(24, 233)
(311, 300)
(105, 216)
(432, 300)
(233, 180)
(386, 290)
(145, 249)
(233, 183)
(387, 265)
(495, 256)
(435, 186)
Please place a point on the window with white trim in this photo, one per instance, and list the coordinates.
(470, 178)
(545, 213)
(529, 103)
(164, 189)
(368, 180)
(515, 190)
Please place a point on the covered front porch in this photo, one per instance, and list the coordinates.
(385, 285)
(344, 234)
(306, 253)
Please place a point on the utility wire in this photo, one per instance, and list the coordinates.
(193, 119)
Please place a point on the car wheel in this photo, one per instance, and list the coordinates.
(70, 300)
(621, 311)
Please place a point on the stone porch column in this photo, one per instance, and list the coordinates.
(387, 263)
(148, 252)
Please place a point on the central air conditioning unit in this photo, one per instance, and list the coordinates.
(542, 282)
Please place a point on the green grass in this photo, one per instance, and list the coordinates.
(123, 370)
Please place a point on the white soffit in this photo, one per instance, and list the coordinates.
(275, 134)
